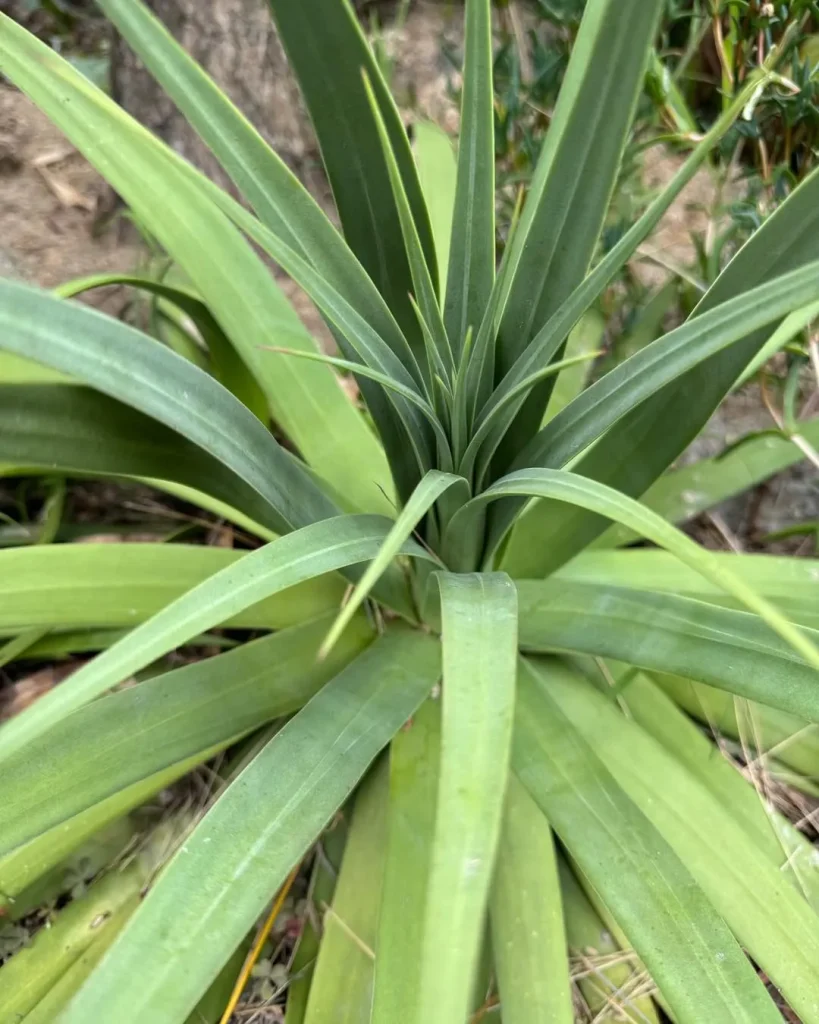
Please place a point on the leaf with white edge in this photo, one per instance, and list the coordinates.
(220, 880)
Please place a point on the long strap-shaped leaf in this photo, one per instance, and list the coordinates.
(420, 502)
(789, 582)
(342, 982)
(555, 331)
(127, 365)
(668, 633)
(737, 877)
(685, 492)
(106, 586)
(575, 177)
(438, 172)
(76, 431)
(612, 397)
(528, 935)
(312, 551)
(617, 985)
(588, 494)
(280, 200)
(692, 956)
(414, 772)
(328, 51)
(219, 881)
(788, 848)
(479, 628)
(224, 361)
(650, 437)
(240, 290)
(128, 736)
(472, 249)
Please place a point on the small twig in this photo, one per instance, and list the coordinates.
(256, 949)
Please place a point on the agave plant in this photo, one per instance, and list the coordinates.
(457, 656)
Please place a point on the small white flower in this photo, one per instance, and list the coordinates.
(767, 10)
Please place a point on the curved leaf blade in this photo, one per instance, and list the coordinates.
(667, 633)
(741, 882)
(479, 630)
(471, 271)
(220, 880)
(698, 965)
(132, 368)
(312, 551)
(127, 737)
(528, 936)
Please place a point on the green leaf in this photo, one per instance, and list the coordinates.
(649, 438)
(313, 551)
(59, 994)
(528, 937)
(588, 494)
(280, 200)
(52, 428)
(414, 770)
(585, 340)
(433, 485)
(127, 737)
(423, 283)
(666, 633)
(574, 177)
(471, 270)
(772, 733)
(608, 981)
(789, 582)
(75, 586)
(771, 920)
(17, 370)
(33, 971)
(327, 51)
(326, 867)
(437, 173)
(479, 630)
(683, 493)
(788, 849)
(612, 398)
(142, 373)
(691, 954)
(226, 364)
(247, 303)
(342, 985)
(224, 874)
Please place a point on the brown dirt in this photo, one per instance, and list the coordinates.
(54, 205)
